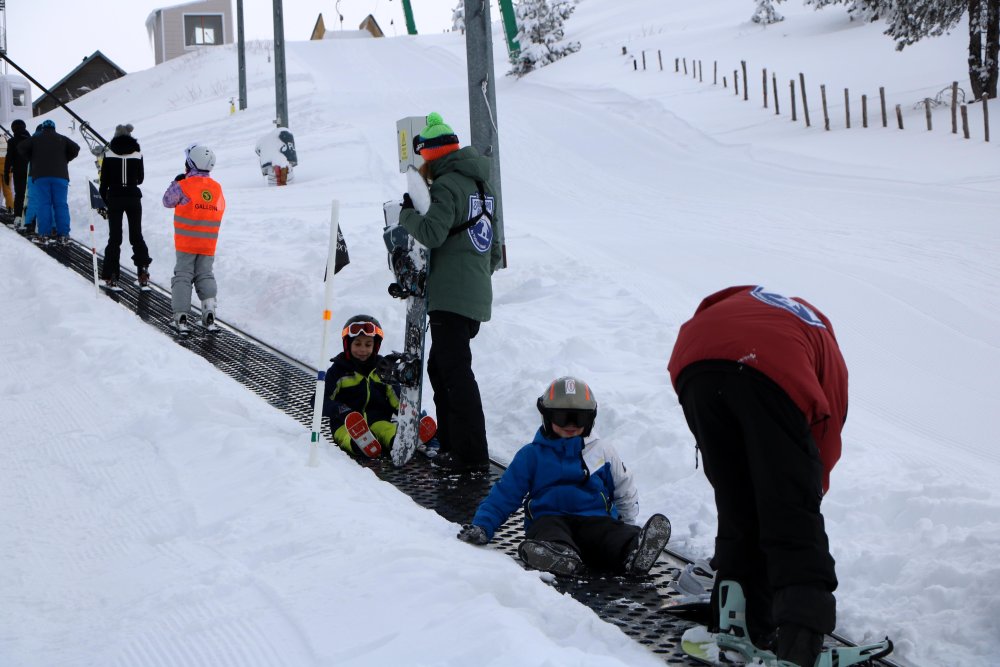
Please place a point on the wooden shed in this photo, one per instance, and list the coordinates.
(95, 71)
(174, 31)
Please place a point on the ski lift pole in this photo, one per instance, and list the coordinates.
(331, 267)
(95, 141)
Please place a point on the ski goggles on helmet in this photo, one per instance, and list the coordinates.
(361, 328)
(581, 418)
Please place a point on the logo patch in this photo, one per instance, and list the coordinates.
(800, 310)
(206, 195)
(481, 233)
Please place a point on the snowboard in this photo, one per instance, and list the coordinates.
(408, 260)
(362, 436)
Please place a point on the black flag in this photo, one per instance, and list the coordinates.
(342, 259)
(96, 202)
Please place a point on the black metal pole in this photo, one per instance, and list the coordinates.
(241, 54)
(280, 77)
(482, 98)
(84, 125)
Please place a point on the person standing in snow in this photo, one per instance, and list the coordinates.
(48, 154)
(121, 175)
(15, 168)
(764, 390)
(198, 205)
(582, 503)
(464, 252)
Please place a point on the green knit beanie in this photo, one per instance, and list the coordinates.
(435, 126)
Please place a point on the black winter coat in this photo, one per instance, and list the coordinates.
(15, 164)
(122, 170)
(49, 153)
(355, 387)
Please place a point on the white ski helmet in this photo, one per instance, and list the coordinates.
(200, 157)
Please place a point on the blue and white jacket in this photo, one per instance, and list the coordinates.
(552, 476)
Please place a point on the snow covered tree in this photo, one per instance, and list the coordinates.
(540, 32)
(765, 13)
(909, 21)
(458, 17)
(912, 20)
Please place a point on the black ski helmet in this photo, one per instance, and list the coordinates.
(568, 399)
(360, 322)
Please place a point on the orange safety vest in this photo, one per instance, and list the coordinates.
(197, 223)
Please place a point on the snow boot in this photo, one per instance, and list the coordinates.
(208, 314)
(362, 436)
(799, 646)
(652, 540)
(550, 557)
(142, 278)
(180, 325)
(111, 285)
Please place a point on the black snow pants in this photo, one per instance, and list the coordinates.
(763, 464)
(460, 421)
(602, 542)
(119, 207)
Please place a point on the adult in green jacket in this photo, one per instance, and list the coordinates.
(464, 252)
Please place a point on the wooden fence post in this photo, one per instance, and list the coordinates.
(746, 81)
(791, 85)
(677, 65)
(659, 55)
(899, 116)
(724, 84)
(736, 83)
(927, 112)
(685, 61)
(805, 102)
(774, 87)
(764, 85)
(965, 121)
(699, 72)
(826, 116)
(644, 60)
(864, 111)
(715, 72)
(847, 107)
(881, 94)
(986, 115)
(954, 103)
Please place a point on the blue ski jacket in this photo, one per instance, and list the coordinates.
(553, 476)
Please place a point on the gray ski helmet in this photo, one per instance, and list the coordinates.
(568, 400)
(358, 325)
(200, 157)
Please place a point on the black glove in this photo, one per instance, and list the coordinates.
(103, 212)
(407, 202)
(473, 534)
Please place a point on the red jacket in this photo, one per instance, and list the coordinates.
(788, 340)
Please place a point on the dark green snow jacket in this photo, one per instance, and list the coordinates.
(461, 264)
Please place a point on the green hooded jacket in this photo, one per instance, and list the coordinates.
(461, 265)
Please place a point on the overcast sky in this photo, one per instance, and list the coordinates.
(48, 38)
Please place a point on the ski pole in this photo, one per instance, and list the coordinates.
(331, 262)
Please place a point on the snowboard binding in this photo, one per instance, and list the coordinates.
(401, 368)
(409, 279)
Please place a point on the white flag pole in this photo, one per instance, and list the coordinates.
(331, 263)
(93, 245)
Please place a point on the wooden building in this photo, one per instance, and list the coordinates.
(368, 28)
(95, 71)
(174, 31)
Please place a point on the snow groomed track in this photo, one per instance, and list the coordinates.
(635, 606)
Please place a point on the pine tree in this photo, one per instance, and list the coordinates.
(765, 13)
(458, 17)
(541, 34)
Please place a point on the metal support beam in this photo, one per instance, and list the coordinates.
(482, 98)
(241, 55)
(280, 77)
(411, 27)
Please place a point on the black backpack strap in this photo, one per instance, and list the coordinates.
(482, 212)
